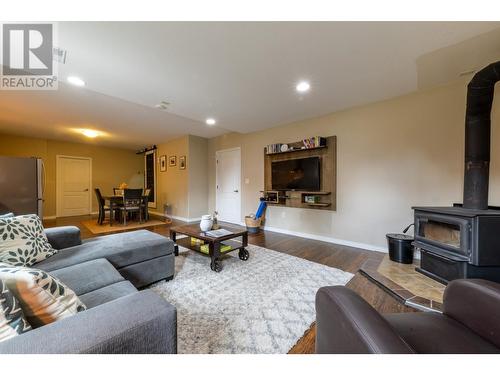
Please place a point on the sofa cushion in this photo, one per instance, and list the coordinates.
(62, 237)
(43, 298)
(88, 276)
(108, 294)
(122, 249)
(12, 320)
(23, 241)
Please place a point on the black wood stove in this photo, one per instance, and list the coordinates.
(463, 241)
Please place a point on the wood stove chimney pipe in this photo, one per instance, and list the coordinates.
(480, 93)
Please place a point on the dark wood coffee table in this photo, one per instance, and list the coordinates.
(214, 244)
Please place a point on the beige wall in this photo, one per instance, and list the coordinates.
(184, 190)
(391, 155)
(197, 165)
(173, 183)
(110, 166)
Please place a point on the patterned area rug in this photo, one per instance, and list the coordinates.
(263, 305)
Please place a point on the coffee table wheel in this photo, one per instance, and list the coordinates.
(215, 265)
(244, 254)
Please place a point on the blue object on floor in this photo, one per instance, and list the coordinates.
(260, 210)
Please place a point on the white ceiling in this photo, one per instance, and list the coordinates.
(242, 74)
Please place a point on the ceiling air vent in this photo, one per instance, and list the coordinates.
(59, 55)
(163, 105)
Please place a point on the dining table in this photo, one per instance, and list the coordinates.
(116, 200)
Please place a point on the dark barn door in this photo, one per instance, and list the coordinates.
(150, 176)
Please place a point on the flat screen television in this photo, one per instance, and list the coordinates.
(297, 174)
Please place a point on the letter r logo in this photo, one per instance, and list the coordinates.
(27, 49)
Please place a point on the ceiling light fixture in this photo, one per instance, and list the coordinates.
(76, 81)
(90, 133)
(303, 86)
(210, 121)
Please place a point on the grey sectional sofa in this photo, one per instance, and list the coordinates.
(105, 273)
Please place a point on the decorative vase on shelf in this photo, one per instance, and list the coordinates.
(206, 223)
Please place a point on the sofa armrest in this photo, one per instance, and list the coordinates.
(63, 237)
(141, 322)
(346, 323)
(476, 304)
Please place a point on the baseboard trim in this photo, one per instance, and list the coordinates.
(328, 239)
(55, 217)
(181, 218)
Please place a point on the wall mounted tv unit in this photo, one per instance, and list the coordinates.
(301, 174)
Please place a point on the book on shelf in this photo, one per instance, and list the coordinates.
(313, 142)
(273, 148)
(223, 249)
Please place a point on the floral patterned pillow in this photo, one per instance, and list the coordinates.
(23, 241)
(43, 297)
(12, 321)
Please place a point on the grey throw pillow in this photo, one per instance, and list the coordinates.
(12, 320)
(23, 241)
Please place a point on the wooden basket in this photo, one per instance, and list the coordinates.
(253, 225)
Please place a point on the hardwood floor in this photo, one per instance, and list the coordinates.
(343, 257)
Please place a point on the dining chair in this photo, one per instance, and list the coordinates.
(118, 191)
(132, 200)
(102, 206)
(145, 201)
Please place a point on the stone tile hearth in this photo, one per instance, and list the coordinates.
(405, 283)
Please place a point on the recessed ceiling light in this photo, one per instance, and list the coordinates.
(303, 86)
(210, 121)
(76, 81)
(90, 133)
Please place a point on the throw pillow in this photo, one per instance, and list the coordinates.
(43, 298)
(23, 241)
(4, 216)
(12, 321)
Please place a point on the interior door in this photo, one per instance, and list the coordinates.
(228, 181)
(73, 186)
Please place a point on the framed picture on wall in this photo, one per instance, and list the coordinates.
(163, 163)
(172, 161)
(182, 162)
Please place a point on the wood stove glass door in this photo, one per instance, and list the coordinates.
(445, 232)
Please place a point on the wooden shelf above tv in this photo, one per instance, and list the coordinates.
(327, 197)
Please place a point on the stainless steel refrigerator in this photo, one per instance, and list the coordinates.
(22, 185)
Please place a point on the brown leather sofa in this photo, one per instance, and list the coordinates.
(470, 323)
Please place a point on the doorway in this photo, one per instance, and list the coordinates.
(73, 185)
(228, 185)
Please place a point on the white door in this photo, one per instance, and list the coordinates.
(73, 185)
(228, 181)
